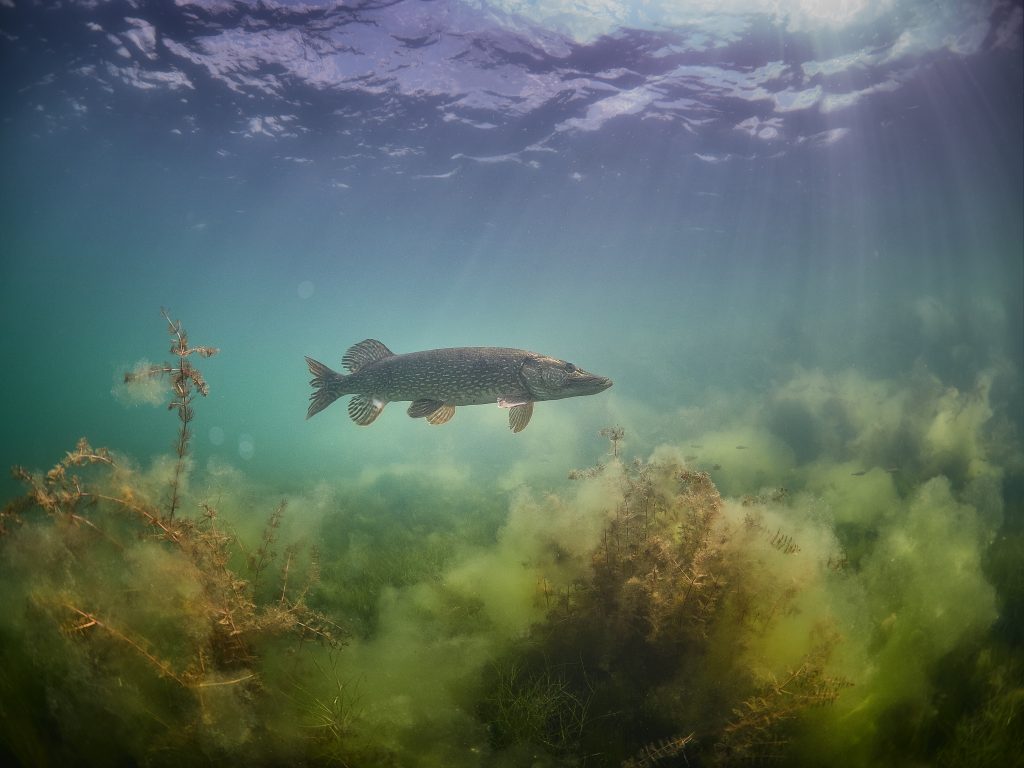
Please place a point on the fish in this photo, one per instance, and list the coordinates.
(436, 381)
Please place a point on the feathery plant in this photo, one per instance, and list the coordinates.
(186, 380)
(676, 586)
(165, 612)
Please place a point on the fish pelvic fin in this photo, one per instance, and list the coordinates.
(434, 411)
(327, 385)
(442, 415)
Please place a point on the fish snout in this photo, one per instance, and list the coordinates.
(590, 384)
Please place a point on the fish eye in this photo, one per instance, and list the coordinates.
(570, 368)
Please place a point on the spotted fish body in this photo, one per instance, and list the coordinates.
(438, 380)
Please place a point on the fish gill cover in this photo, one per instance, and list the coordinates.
(791, 534)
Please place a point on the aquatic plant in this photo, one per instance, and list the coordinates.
(614, 435)
(659, 637)
(538, 706)
(144, 598)
(413, 522)
(329, 709)
(987, 734)
(757, 731)
(659, 751)
(185, 380)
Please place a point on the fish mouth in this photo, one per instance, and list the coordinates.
(591, 384)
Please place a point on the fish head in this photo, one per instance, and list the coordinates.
(549, 378)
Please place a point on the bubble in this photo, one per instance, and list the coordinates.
(305, 289)
(246, 447)
(216, 435)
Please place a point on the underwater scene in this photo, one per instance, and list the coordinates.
(708, 316)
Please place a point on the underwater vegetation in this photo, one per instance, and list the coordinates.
(135, 632)
(635, 615)
(700, 630)
(651, 656)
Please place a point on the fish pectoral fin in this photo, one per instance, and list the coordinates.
(519, 416)
(435, 411)
(363, 409)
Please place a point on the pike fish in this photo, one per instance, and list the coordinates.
(438, 380)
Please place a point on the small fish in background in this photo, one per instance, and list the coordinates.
(741, 447)
(859, 474)
(716, 467)
(438, 380)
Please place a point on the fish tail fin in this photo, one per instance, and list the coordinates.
(327, 385)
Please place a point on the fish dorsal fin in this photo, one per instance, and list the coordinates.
(435, 411)
(367, 351)
(363, 409)
(519, 416)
